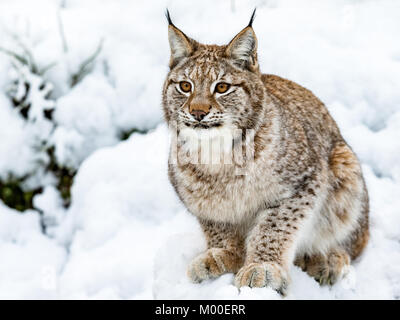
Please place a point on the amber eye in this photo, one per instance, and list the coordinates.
(185, 86)
(222, 87)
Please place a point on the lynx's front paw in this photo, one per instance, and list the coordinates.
(213, 263)
(263, 275)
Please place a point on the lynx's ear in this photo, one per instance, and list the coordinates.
(181, 45)
(243, 48)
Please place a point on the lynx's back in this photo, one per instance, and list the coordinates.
(301, 106)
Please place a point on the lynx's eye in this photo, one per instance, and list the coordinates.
(185, 86)
(222, 87)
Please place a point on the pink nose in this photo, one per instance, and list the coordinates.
(198, 114)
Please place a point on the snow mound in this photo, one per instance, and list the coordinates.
(30, 261)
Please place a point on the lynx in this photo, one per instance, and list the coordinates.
(299, 199)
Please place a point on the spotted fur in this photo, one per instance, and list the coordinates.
(300, 197)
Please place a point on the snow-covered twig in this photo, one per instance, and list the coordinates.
(86, 66)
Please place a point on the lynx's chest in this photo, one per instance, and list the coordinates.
(225, 196)
(226, 191)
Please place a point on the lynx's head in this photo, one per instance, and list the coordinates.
(211, 87)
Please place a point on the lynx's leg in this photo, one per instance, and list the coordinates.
(271, 244)
(224, 253)
(326, 269)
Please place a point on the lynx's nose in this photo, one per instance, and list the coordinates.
(198, 114)
(199, 110)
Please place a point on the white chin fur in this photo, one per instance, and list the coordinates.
(212, 142)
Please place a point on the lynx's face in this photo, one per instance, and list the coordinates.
(213, 88)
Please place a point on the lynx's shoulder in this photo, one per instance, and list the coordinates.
(286, 90)
(302, 109)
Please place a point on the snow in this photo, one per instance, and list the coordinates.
(19, 160)
(126, 235)
(30, 260)
(77, 135)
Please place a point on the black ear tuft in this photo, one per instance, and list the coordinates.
(252, 18)
(181, 45)
(168, 17)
